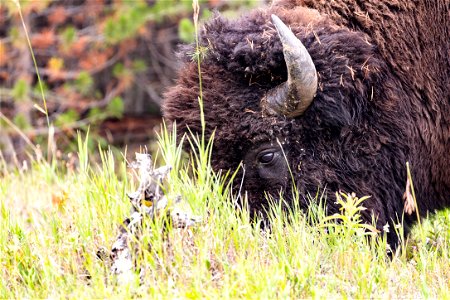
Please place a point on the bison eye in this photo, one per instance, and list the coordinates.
(266, 157)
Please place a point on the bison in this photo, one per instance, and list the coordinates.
(332, 95)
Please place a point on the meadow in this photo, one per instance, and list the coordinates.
(55, 216)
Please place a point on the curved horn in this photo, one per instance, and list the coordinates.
(293, 97)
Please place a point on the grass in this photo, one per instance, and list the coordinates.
(54, 219)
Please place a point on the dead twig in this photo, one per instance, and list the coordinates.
(148, 202)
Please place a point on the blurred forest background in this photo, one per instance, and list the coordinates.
(103, 64)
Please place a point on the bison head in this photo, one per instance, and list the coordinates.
(301, 102)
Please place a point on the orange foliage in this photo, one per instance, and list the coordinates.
(3, 55)
(78, 47)
(43, 39)
(57, 16)
(94, 59)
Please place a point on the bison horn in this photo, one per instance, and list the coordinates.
(292, 97)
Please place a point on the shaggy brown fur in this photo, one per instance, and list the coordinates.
(383, 100)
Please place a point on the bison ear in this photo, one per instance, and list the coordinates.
(294, 96)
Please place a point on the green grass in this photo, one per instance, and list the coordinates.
(54, 219)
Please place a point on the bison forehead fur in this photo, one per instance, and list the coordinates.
(382, 99)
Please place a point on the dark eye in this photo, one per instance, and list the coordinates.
(266, 158)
